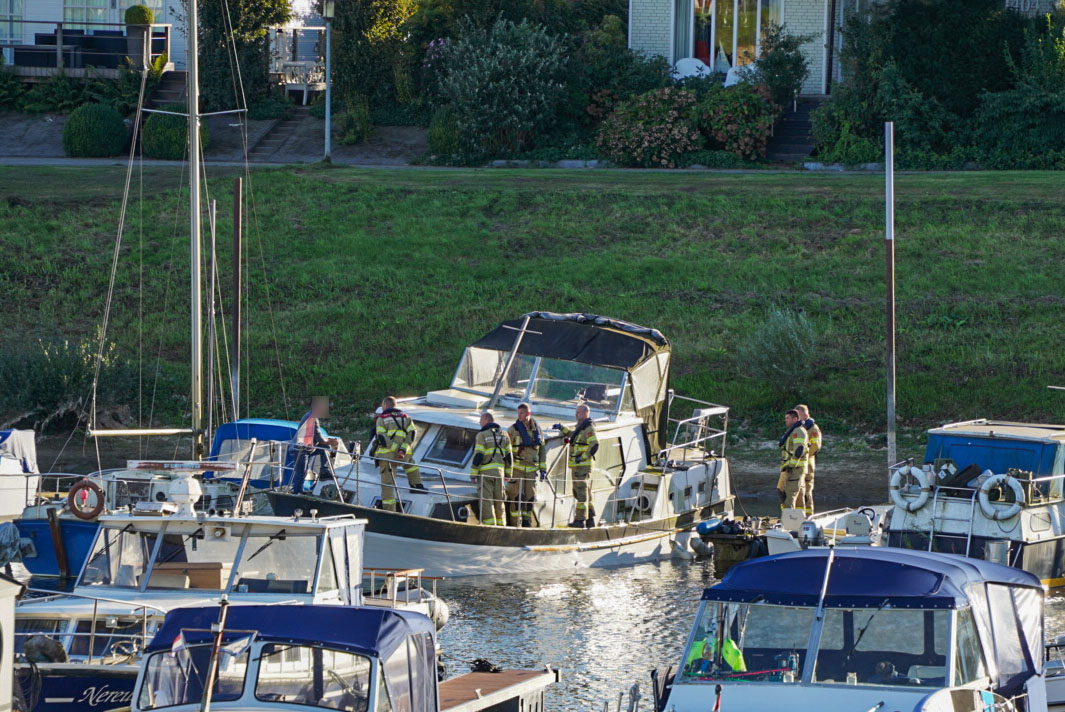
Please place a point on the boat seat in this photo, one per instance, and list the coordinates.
(160, 579)
(199, 574)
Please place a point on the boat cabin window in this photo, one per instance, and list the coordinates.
(314, 676)
(742, 642)
(112, 635)
(609, 464)
(277, 563)
(451, 446)
(969, 660)
(883, 646)
(178, 678)
(27, 627)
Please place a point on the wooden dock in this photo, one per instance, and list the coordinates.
(505, 691)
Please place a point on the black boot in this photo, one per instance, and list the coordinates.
(418, 488)
(590, 522)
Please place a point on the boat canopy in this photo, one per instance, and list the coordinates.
(369, 631)
(611, 365)
(1007, 603)
(18, 444)
(232, 442)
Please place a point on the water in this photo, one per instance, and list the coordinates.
(603, 628)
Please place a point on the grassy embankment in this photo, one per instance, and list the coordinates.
(377, 279)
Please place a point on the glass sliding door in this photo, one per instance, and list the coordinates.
(723, 40)
(682, 29)
(722, 33)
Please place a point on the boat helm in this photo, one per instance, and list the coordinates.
(894, 489)
(996, 514)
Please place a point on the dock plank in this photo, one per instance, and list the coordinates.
(462, 690)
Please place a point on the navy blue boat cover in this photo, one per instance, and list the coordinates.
(1007, 603)
(357, 629)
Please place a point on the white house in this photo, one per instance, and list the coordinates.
(726, 33)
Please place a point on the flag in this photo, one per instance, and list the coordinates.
(179, 644)
(238, 646)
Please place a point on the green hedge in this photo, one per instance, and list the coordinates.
(94, 130)
(165, 136)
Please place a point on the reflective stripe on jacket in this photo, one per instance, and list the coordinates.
(795, 453)
(491, 451)
(535, 454)
(814, 433)
(395, 431)
(583, 445)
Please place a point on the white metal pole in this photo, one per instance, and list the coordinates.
(194, 229)
(328, 90)
(889, 254)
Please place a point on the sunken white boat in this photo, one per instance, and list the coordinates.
(659, 471)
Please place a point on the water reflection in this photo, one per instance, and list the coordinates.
(604, 628)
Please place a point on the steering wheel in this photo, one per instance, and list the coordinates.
(127, 648)
(340, 681)
(868, 511)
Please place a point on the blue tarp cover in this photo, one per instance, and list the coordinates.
(247, 428)
(358, 629)
(864, 578)
(997, 454)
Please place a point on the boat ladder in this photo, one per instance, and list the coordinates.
(935, 518)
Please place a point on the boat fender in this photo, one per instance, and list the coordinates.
(894, 490)
(463, 513)
(329, 491)
(78, 496)
(700, 547)
(1009, 512)
(709, 526)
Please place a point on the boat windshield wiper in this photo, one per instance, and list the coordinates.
(858, 638)
(107, 546)
(275, 537)
(180, 549)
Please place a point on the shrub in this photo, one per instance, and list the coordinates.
(1026, 121)
(94, 130)
(369, 43)
(165, 136)
(318, 106)
(921, 124)
(444, 134)
(782, 350)
(851, 149)
(505, 85)
(738, 119)
(782, 68)
(353, 123)
(275, 105)
(653, 129)
(139, 15)
(59, 93)
(237, 31)
(11, 88)
(714, 159)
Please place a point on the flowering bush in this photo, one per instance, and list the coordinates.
(738, 119)
(651, 130)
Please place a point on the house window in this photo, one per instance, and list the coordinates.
(84, 14)
(10, 28)
(722, 33)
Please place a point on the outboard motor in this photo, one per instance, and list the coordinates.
(809, 534)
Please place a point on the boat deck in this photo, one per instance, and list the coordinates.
(508, 689)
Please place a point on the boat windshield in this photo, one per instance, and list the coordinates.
(883, 646)
(742, 642)
(278, 562)
(314, 676)
(543, 380)
(178, 678)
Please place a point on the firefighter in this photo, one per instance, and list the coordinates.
(310, 442)
(793, 453)
(492, 462)
(530, 462)
(813, 430)
(394, 447)
(582, 448)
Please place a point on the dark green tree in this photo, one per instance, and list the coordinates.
(369, 48)
(232, 33)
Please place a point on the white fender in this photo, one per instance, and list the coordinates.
(1000, 514)
(910, 505)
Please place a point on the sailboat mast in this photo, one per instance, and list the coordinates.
(194, 229)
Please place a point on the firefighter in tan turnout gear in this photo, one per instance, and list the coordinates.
(583, 445)
(813, 431)
(794, 446)
(492, 462)
(394, 447)
(530, 462)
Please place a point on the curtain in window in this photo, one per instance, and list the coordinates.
(682, 29)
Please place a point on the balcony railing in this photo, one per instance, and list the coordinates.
(78, 49)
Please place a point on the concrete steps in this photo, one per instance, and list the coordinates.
(792, 138)
(172, 89)
(282, 131)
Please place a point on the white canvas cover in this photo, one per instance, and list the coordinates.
(18, 445)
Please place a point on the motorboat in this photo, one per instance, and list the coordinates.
(861, 526)
(85, 645)
(352, 659)
(57, 530)
(659, 471)
(987, 489)
(19, 475)
(863, 628)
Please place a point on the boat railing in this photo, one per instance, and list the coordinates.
(707, 423)
(1042, 485)
(136, 641)
(397, 585)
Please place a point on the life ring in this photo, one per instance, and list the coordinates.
(1009, 512)
(79, 495)
(894, 490)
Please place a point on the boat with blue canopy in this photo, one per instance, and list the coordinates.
(865, 628)
(352, 659)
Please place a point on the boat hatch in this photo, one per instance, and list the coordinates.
(869, 617)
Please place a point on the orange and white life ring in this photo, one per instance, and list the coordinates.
(78, 500)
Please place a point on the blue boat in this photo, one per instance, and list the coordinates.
(346, 658)
(864, 628)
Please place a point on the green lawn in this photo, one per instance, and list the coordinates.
(374, 280)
